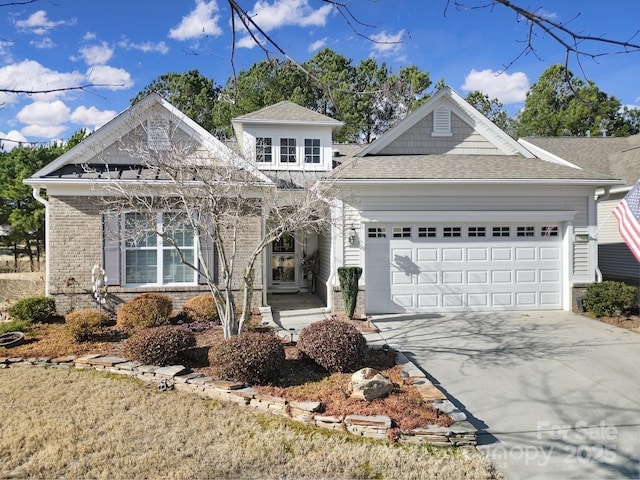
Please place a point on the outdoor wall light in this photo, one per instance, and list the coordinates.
(353, 236)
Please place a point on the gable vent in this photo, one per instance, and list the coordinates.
(442, 121)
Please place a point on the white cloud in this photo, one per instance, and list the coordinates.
(39, 24)
(201, 21)
(110, 78)
(45, 43)
(44, 131)
(283, 13)
(146, 47)
(318, 44)
(506, 87)
(91, 117)
(44, 113)
(11, 140)
(387, 44)
(31, 76)
(89, 36)
(97, 54)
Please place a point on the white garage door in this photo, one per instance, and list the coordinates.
(424, 268)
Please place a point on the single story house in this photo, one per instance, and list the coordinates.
(444, 212)
(618, 157)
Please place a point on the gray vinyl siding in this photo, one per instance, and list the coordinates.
(418, 140)
(615, 260)
(352, 252)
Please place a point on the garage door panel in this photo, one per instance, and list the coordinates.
(501, 276)
(452, 300)
(427, 278)
(526, 298)
(478, 300)
(525, 253)
(477, 254)
(501, 299)
(549, 276)
(452, 254)
(464, 273)
(525, 276)
(549, 253)
(499, 254)
(427, 254)
(452, 278)
(477, 277)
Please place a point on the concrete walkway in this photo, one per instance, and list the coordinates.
(556, 395)
(291, 312)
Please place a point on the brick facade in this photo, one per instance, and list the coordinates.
(76, 243)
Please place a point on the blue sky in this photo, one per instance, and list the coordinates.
(125, 45)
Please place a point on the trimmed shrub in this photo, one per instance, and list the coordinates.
(34, 309)
(251, 358)
(201, 308)
(159, 345)
(86, 324)
(147, 310)
(334, 345)
(605, 298)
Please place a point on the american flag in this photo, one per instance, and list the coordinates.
(628, 215)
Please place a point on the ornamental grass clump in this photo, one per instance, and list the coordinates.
(159, 345)
(147, 310)
(334, 345)
(201, 308)
(251, 358)
(35, 310)
(86, 324)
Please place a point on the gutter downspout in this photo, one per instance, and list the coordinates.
(36, 194)
(605, 196)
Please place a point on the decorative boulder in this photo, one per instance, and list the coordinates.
(368, 384)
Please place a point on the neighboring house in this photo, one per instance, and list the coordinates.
(617, 157)
(444, 212)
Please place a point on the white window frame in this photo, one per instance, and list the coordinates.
(263, 151)
(160, 249)
(312, 151)
(288, 151)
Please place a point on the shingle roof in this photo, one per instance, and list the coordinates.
(617, 157)
(288, 112)
(458, 167)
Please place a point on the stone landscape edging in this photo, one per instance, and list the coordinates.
(460, 434)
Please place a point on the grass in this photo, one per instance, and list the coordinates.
(77, 424)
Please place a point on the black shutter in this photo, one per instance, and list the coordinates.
(111, 257)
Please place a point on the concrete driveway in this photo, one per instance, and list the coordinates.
(554, 394)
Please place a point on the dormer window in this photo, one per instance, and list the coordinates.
(264, 150)
(288, 150)
(312, 150)
(442, 122)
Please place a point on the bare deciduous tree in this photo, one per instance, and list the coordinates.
(228, 204)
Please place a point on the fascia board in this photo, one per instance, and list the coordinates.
(59, 187)
(464, 181)
(545, 155)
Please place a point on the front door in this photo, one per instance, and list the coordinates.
(283, 262)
